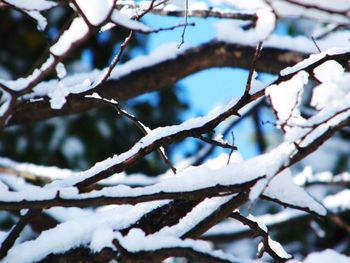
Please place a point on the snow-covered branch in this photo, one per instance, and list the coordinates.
(104, 214)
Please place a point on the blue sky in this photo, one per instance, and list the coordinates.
(208, 88)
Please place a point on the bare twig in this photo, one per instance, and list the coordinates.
(138, 124)
(259, 133)
(123, 46)
(252, 68)
(171, 27)
(138, 82)
(217, 143)
(318, 48)
(207, 152)
(184, 29)
(210, 12)
(233, 142)
(115, 60)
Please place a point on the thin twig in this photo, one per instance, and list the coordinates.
(184, 29)
(210, 12)
(137, 122)
(318, 48)
(123, 46)
(217, 143)
(252, 68)
(170, 27)
(115, 59)
(121, 165)
(233, 142)
(143, 128)
(259, 133)
(207, 152)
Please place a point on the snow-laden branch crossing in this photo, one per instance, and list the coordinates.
(103, 214)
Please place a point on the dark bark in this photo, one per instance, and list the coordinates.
(160, 75)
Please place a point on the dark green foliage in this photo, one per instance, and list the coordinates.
(78, 141)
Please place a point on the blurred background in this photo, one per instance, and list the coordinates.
(78, 141)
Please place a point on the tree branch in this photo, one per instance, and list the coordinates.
(102, 199)
(163, 74)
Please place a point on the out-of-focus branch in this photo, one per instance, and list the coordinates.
(138, 124)
(344, 12)
(224, 145)
(205, 13)
(163, 74)
(259, 133)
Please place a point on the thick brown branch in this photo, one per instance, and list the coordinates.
(16, 231)
(160, 75)
(218, 215)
